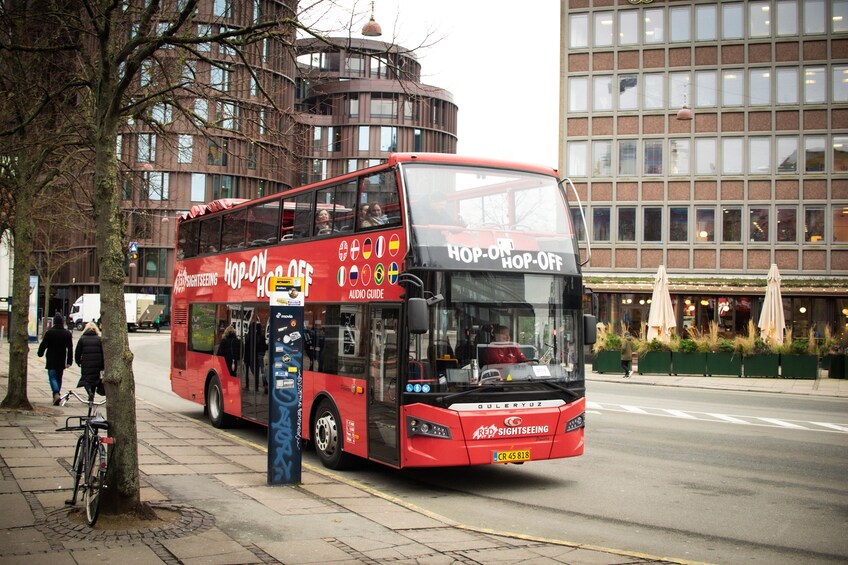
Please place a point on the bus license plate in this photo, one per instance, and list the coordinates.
(510, 456)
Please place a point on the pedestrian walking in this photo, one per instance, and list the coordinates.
(157, 323)
(626, 354)
(89, 356)
(59, 346)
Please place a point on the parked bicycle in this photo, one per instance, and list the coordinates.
(91, 455)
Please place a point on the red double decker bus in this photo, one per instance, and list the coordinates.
(443, 319)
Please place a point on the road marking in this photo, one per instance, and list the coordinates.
(831, 426)
(634, 409)
(727, 418)
(783, 423)
(681, 414)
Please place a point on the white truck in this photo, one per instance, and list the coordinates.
(87, 308)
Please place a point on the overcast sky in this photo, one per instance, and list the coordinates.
(499, 59)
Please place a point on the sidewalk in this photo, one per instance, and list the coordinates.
(214, 484)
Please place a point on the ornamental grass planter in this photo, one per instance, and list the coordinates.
(761, 365)
(607, 362)
(655, 362)
(689, 363)
(837, 366)
(724, 363)
(802, 366)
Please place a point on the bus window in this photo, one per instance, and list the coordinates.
(201, 329)
(262, 224)
(303, 215)
(345, 201)
(232, 235)
(187, 243)
(210, 235)
(380, 193)
(287, 220)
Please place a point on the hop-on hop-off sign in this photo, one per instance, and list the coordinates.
(285, 403)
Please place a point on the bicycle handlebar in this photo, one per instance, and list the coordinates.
(64, 399)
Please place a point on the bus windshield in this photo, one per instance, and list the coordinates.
(498, 328)
(482, 217)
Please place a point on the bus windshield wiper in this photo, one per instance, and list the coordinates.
(564, 389)
(480, 388)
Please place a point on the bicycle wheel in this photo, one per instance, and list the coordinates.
(77, 467)
(94, 481)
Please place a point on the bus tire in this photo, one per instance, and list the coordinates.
(215, 404)
(327, 437)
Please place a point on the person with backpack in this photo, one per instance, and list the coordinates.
(59, 346)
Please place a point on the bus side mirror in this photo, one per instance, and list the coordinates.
(417, 319)
(590, 329)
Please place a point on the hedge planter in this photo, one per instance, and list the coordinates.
(607, 362)
(689, 363)
(838, 366)
(724, 363)
(799, 366)
(655, 362)
(762, 365)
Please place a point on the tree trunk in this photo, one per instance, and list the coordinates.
(16, 394)
(123, 495)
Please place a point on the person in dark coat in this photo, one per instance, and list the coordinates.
(59, 346)
(89, 356)
(230, 349)
(255, 353)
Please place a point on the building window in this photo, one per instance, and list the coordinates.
(680, 24)
(119, 142)
(814, 224)
(156, 186)
(758, 225)
(705, 89)
(787, 221)
(222, 8)
(814, 150)
(628, 27)
(577, 216)
(787, 17)
(732, 154)
(162, 113)
(601, 158)
(653, 91)
(601, 224)
(201, 110)
(787, 154)
(228, 115)
(603, 29)
(198, 187)
(679, 89)
(216, 153)
(840, 154)
(759, 87)
(705, 220)
(219, 78)
(787, 85)
(388, 138)
(705, 155)
(383, 107)
(814, 85)
(839, 19)
(417, 140)
(678, 224)
(364, 138)
(814, 16)
(602, 93)
(678, 157)
(224, 186)
(628, 95)
(627, 224)
(184, 148)
(146, 148)
(840, 223)
(759, 19)
(759, 155)
(732, 87)
(705, 22)
(577, 157)
(251, 155)
(627, 149)
(840, 83)
(652, 224)
(653, 156)
(654, 25)
(731, 225)
(578, 94)
(732, 21)
(578, 31)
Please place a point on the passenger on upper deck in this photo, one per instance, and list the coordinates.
(323, 225)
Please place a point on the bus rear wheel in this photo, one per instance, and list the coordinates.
(327, 437)
(215, 404)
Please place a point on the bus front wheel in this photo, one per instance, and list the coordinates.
(215, 404)
(327, 437)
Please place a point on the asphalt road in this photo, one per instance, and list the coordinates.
(702, 475)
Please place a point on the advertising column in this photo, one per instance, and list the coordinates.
(285, 405)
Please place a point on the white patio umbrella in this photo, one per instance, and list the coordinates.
(772, 323)
(661, 319)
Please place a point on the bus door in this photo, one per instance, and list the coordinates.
(254, 366)
(383, 366)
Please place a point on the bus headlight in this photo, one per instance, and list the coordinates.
(576, 423)
(419, 427)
